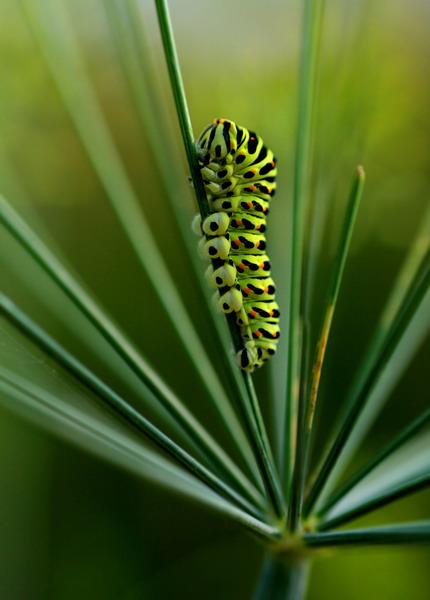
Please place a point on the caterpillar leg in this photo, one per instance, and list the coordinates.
(247, 357)
(215, 224)
(229, 301)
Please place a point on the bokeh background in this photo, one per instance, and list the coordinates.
(71, 524)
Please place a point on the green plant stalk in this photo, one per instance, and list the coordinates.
(119, 405)
(379, 500)
(404, 533)
(312, 17)
(78, 426)
(283, 578)
(64, 61)
(112, 334)
(362, 389)
(181, 105)
(260, 441)
(254, 423)
(403, 437)
(307, 406)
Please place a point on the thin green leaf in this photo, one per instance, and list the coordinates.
(181, 104)
(333, 292)
(308, 404)
(398, 441)
(254, 421)
(105, 325)
(118, 404)
(404, 533)
(63, 58)
(306, 100)
(379, 500)
(262, 449)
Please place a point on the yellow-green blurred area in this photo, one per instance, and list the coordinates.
(71, 525)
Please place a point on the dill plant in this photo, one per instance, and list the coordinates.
(267, 481)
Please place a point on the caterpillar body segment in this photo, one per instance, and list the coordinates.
(239, 173)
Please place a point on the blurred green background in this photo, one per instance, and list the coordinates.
(73, 526)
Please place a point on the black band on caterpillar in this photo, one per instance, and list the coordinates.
(239, 173)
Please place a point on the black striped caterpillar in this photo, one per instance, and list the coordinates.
(239, 173)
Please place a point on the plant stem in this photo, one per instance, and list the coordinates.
(178, 91)
(312, 17)
(282, 579)
(403, 533)
(308, 403)
(251, 413)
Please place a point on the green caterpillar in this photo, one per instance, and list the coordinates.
(239, 174)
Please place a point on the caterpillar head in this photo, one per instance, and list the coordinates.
(218, 141)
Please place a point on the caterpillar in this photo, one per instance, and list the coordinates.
(239, 173)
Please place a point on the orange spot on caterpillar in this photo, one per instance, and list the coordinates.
(258, 226)
(238, 223)
(252, 313)
(252, 187)
(246, 290)
(266, 289)
(236, 243)
(257, 244)
(253, 170)
(271, 313)
(272, 163)
(242, 266)
(249, 204)
(258, 333)
(274, 335)
(261, 265)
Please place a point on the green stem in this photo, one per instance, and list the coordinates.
(282, 579)
(404, 533)
(254, 422)
(262, 449)
(312, 17)
(308, 404)
(181, 104)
